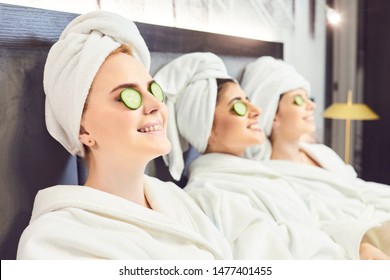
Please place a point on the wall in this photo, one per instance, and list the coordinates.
(376, 134)
(305, 49)
(285, 21)
(345, 75)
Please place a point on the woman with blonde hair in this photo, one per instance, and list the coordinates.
(103, 105)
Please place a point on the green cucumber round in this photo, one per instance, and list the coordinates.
(131, 98)
(298, 100)
(240, 108)
(157, 91)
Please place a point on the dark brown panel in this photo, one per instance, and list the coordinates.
(28, 27)
(376, 144)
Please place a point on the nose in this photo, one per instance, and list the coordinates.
(150, 103)
(311, 105)
(253, 110)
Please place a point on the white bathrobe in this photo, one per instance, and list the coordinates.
(346, 206)
(77, 222)
(372, 192)
(259, 213)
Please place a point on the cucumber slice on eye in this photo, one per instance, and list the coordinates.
(131, 98)
(157, 91)
(298, 100)
(240, 108)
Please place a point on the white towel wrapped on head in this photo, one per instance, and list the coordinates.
(264, 81)
(72, 64)
(190, 85)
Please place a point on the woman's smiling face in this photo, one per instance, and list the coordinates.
(116, 129)
(295, 115)
(231, 132)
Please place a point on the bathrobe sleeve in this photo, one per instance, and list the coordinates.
(345, 206)
(372, 193)
(375, 193)
(76, 222)
(250, 233)
(245, 199)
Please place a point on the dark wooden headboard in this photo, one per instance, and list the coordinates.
(30, 159)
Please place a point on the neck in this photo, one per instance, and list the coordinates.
(289, 150)
(283, 149)
(224, 150)
(126, 181)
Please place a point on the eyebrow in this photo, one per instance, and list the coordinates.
(128, 85)
(301, 94)
(234, 99)
(238, 98)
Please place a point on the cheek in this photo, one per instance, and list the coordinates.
(103, 123)
(164, 112)
(229, 127)
(288, 116)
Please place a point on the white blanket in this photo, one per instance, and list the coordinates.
(346, 206)
(76, 222)
(259, 213)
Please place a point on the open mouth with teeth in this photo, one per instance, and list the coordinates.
(253, 126)
(156, 127)
(311, 117)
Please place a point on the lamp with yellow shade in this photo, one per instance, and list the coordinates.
(349, 111)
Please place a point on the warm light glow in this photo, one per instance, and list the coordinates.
(345, 111)
(157, 12)
(349, 111)
(333, 16)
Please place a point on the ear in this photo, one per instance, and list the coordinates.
(276, 122)
(211, 142)
(86, 138)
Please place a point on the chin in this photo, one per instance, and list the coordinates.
(167, 149)
(163, 148)
(258, 140)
